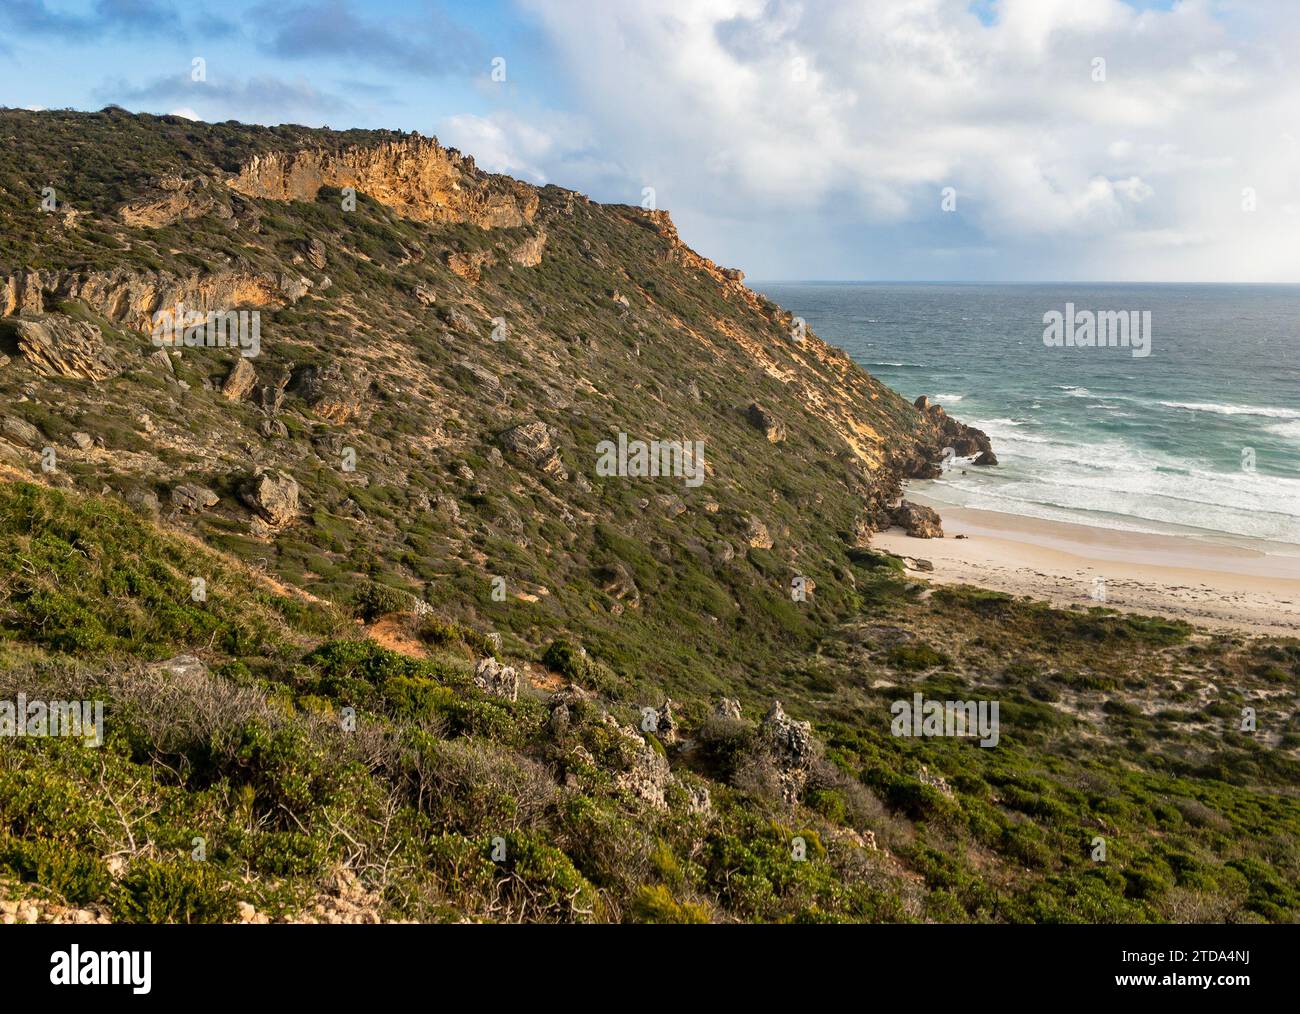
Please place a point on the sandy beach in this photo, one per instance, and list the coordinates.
(1222, 585)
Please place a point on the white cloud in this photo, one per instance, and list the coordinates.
(704, 100)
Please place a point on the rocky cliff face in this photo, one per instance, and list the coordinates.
(417, 178)
(435, 383)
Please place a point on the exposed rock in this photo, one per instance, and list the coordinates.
(162, 360)
(273, 496)
(346, 901)
(934, 781)
(760, 418)
(640, 768)
(315, 253)
(144, 500)
(415, 176)
(756, 534)
(698, 800)
(83, 441)
(426, 295)
(13, 457)
(985, 458)
(944, 432)
(180, 200)
(22, 293)
(446, 507)
(790, 745)
(469, 266)
(666, 722)
(919, 522)
(17, 909)
(59, 346)
(181, 667)
(532, 443)
(497, 679)
(189, 496)
(273, 429)
(21, 431)
(240, 381)
(528, 254)
(460, 321)
(294, 287)
(617, 581)
(270, 399)
(335, 392)
(131, 297)
(481, 377)
(727, 707)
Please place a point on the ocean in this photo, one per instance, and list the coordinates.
(1200, 437)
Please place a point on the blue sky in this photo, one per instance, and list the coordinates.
(874, 139)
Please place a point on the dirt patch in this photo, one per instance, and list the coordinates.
(394, 633)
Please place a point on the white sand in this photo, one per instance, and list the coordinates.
(1228, 584)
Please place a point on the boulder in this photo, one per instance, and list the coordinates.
(727, 707)
(189, 496)
(21, 431)
(240, 381)
(459, 321)
(919, 522)
(335, 392)
(985, 458)
(144, 500)
(666, 726)
(273, 496)
(790, 745)
(762, 419)
(315, 253)
(756, 534)
(59, 346)
(641, 769)
(532, 443)
(497, 679)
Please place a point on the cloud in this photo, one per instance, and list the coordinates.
(106, 17)
(734, 108)
(430, 45)
(538, 146)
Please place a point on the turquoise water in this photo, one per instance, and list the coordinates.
(1201, 436)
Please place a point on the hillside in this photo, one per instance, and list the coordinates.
(445, 666)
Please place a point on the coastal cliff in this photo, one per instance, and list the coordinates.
(471, 549)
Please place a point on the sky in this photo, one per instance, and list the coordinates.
(925, 140)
